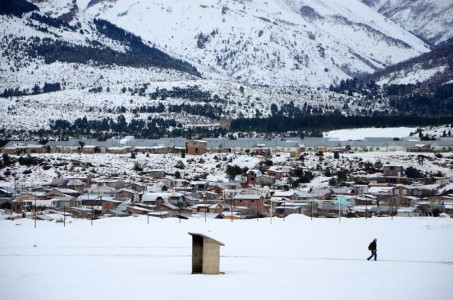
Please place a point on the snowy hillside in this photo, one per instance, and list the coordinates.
(99, 60)
(38, 49)
(432, 67)
(96, 88)
(430, 20)
(97, 91)
(136, 101)
(274, 42)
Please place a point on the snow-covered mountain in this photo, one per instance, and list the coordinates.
(430, 20)
(147, 59)
(278, 42)
(434, 68)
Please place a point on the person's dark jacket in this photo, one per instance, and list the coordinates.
(372, 246)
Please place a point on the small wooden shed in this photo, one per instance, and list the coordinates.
(205, 254)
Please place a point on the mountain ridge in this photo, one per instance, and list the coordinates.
(275, 42)
(432, 21)
(81, 62)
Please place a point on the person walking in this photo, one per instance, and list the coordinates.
(373, 248)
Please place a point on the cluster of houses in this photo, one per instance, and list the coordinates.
(86, 197)
(257, 146)
(155, 195)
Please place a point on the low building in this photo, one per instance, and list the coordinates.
(249, 200)
(137, 187)
(62, 192)
(252, 175)
(332, 210)
(401, 190)
(137, 210)
(419, 148)
(81, 212)
(127, 194)
(63, 202)
(265, 180)
(112, 183)
(28, 199)
(110, 204)
(76, 184)
(442, 145)
(391, 170)
(199, 185)
(24, 147)
(291, 195)
(169, 209)
(261, 149)
(393, 175)
(211, 208)
(6, 195)
(408, 212)
(196, 147)
(106, 190)
(155, 198)
(119, 150)
(277, 174)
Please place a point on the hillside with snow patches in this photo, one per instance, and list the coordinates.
(432, 21)
(432, 68)
(310, 43)
(245, 55)
(235, 100)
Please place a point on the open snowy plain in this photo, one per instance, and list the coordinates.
(292, 258)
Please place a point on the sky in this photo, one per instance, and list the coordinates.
(291, 258)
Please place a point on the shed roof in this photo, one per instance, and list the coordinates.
(206, 237)
(247, 197)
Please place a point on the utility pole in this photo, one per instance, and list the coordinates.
(14, 195)
(284, 210)
(231, 207)
(393, 203)
(311, 216)
(271, 213)
(257, 215)
(205, 210)
(35, 209)
(366, 209)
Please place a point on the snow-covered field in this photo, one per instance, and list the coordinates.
(361, 133)
(295, 258)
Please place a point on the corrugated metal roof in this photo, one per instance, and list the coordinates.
(247, 197)
(245, 142)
